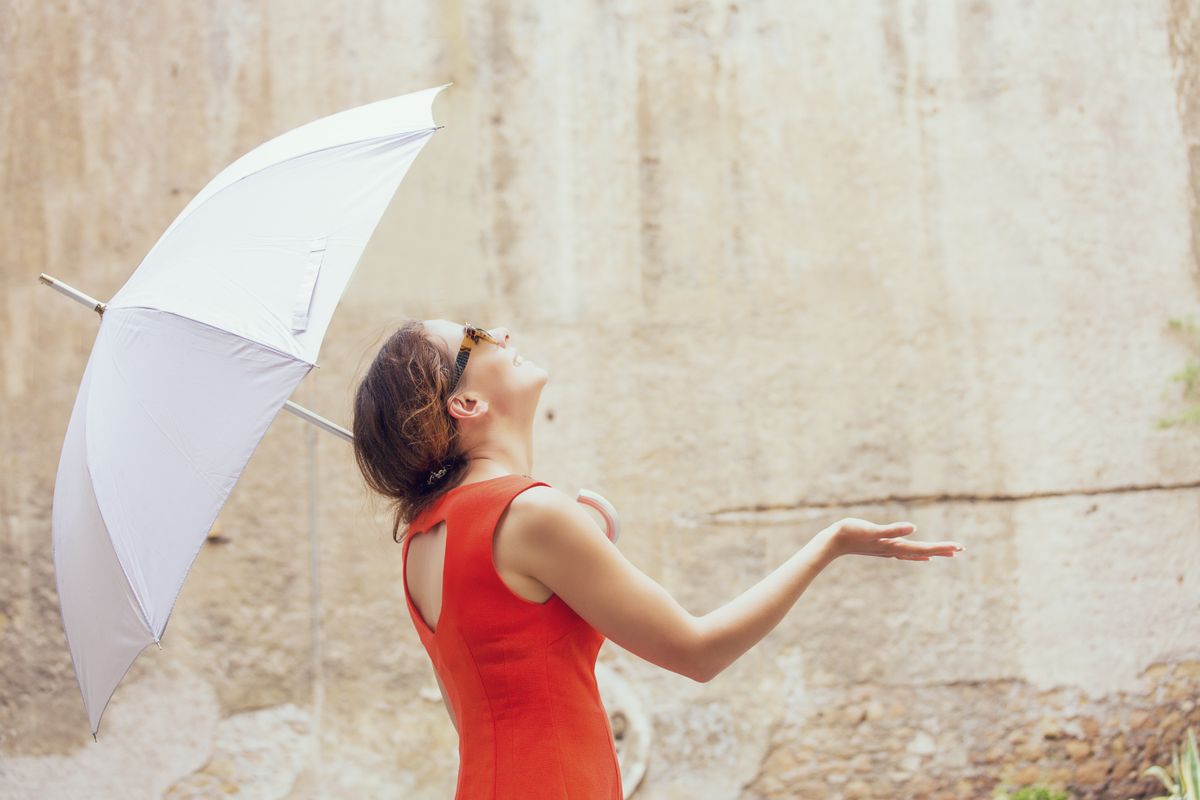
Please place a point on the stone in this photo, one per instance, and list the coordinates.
(1050, 728)
(856, 790)
(1122, 769)
(1171, 725)
(1078, 750)
(993, 755)
(922, 744)
(920, 786)
(1031, 751)
(1026, 775)
(1092, 773)
(1091, 728)
(1057, 776)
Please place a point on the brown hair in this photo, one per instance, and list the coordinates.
(402, 430)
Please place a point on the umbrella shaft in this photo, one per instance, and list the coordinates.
(71, 292)
(316, 419)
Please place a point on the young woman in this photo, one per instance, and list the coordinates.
(512, 585)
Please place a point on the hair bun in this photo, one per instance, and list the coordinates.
(439, 473)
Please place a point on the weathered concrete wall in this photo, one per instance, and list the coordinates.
(787, 262)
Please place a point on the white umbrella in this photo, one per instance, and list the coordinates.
(195, 356)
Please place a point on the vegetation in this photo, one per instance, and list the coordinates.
(1183, 781)
(1189, 376)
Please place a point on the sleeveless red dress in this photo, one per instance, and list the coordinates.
(519, 675)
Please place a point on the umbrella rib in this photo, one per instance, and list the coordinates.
(181, 218)
(308, 416)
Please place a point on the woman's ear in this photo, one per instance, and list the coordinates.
(467, 406)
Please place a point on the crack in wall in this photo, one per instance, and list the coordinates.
(778, 513)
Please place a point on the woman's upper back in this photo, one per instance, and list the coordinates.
(458, 559)
(424, 565)
(558, 547)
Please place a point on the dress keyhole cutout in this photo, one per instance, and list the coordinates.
(424, 572)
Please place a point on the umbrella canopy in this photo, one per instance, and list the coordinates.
(195, 356)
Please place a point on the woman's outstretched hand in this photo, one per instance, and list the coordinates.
(857, 537)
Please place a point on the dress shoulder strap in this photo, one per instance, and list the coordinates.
(471, 519)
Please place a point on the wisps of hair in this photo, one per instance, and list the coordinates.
(402, 431)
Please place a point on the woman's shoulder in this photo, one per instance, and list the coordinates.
(541, 522)
(542, 511)
(539, 498)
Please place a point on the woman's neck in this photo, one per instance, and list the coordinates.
(484, 468)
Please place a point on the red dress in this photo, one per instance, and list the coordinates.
(519, 675)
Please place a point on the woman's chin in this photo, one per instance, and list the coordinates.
(540, 377)
(533, 365)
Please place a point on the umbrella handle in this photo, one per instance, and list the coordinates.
(612, 523)
(72, 292)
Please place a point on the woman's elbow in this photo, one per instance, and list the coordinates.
(695, 662)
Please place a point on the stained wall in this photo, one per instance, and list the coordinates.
(787, 263)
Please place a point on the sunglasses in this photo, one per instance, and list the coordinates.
(471, 337)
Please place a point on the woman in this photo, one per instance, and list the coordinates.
(514, 586)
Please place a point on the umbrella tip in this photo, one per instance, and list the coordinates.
(157, 642)
(94, 739)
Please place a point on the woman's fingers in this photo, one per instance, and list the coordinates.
(859, 536)
(922, 551)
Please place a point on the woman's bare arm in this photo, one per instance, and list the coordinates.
(559, 544)
(735, 627)
(555, 541)
(729, 631)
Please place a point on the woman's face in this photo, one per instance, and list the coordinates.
(506, 386)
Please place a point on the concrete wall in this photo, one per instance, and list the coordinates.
(787, 262)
